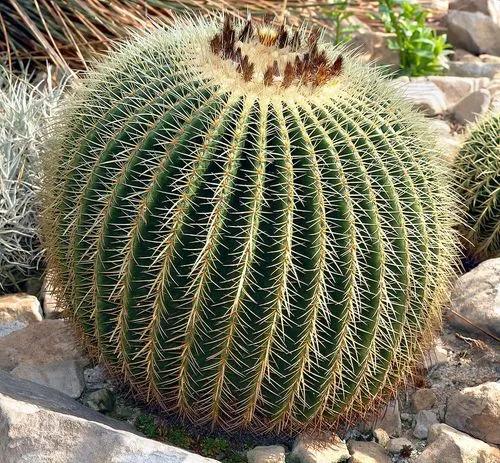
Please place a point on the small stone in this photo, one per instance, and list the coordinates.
(474, 32)
(367, 452)
(266, 454)
(426, 96)
(476, 296)
(425, 419)
(102, 400)
(390, 419)
(407, 417)
(95, 378)
(423, 399)
(21, 308)
(447, 445)
(472, 106)
(397, 444)
(65, 376)
(476, 411)
(381, 437)
(322, 448)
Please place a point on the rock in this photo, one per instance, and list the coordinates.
(96, 378)
(367, 452)
(426, 96)
(322, 448)
(490, 59)
(423, 399)
(474, 32)
(436, 356)
(477, 69)
(472, 106)
(373, 46)
(456, 88)
(447, 445)
(476, 296)
(40, 425)
(476, 411)
(48, 341)
(381, 437)
(396, 445)
(425, 419)
(65, 376)
(389, 420)
(266, 454)
(490, 8)
(463, 55)
(18, 311)
(102, 400)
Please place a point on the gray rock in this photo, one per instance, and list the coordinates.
(472, 106)
(476, 411)
(41, 425)
(396, 445)
(425, 419)
(65, 376)
(423, 399)
(367, 452)
(102, 400)
(456, 88)
(389, 419)
(447, 445)
(319, 448)
(490, 8)
(476, 69)
(425, 96)
(95, 378)
(266, 454)
(476, 297)
(48, 341)
(474, 32)
(18, 310)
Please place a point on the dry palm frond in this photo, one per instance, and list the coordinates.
(69, 32)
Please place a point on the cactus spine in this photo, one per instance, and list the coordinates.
(477, 171)
(251, 226)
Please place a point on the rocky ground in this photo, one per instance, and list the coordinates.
(55, 404)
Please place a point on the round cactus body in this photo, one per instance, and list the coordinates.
(250, 226)
(477, 171)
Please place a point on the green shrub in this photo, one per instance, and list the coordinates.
(477, 169)
(422, 51)
(24, 109)
(250, 242)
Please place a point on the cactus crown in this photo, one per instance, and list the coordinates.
(477, 171)
(251, 227)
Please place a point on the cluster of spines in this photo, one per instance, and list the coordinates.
(244, 262)
(310, 66)
(477, 170)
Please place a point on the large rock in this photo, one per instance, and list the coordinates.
(475, 32)
(426, 96)
(476, 297)
(425, 419)
(423, 399)
(472, 107)
(322, 448)
(473, 69)
(40, 425)
(456, 88)
(17, 311)
(389, 419)
(476, 411)
(367, 452)
(266, 454)
(48, 341)
(488, 7)
(447, 445)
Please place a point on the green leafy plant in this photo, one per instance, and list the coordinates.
(146, 424)
(339, 14)
(422, 50)
(477, 170)
(214, 446)
(179, 437)
(252, 228)
(24, 110)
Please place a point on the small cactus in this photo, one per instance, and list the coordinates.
(249, 225)
(477, 171)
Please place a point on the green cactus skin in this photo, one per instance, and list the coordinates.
(247, 248)
(477, 171)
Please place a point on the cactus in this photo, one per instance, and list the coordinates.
(477, 171)
(24, 108)
(250, 226)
